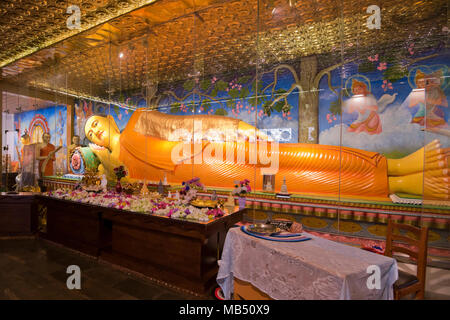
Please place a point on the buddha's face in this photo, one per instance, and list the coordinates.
(98, 130)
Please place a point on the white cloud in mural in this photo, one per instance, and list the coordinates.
(327, 95)
(399, 134)
(277, 122)
(245, 116)
(272, 122)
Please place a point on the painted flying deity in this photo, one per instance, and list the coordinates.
(366, 105)
(429, 97)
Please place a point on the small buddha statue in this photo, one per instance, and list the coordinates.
(230, 205)
(144, 189)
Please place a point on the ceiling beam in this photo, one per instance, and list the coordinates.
(33, 92)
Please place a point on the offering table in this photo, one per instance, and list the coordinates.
(310, 270)
(176, 252)
(76, 225)
(18, 215)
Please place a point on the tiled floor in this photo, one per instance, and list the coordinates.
(36, 269)
(437, 284)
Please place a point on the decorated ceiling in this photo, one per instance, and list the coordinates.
(128, 44)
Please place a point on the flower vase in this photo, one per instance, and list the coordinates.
(241, 202)
(118, 187)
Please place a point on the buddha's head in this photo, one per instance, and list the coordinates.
(101, 130)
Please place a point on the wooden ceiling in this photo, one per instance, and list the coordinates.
(171, 40)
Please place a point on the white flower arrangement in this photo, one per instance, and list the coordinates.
(178, 209)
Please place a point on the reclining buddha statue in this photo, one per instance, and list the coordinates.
(150, 148)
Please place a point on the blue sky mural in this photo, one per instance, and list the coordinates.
(36, 122)
(235, 97)
(396, 105)
(381, 109)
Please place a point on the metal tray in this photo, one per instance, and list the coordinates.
(263, 229)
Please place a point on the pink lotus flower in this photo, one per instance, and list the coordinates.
(382, 66)
(386, 85)
(375, 58)
(76, 161)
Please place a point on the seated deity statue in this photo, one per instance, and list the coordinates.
(149, 148)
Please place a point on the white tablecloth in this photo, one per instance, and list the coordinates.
(314, 269)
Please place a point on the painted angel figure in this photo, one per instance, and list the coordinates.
(368, 108)
(429, 97)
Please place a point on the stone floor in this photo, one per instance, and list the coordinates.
(36, 269)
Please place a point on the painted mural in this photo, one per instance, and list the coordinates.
(84, 109)
(383, 107)
(274, 111)
(390, 106)
(270, 102)
(37, 122)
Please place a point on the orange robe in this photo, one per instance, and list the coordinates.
(308, 168)
(43, 153)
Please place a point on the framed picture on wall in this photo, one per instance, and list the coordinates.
(269, 182)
